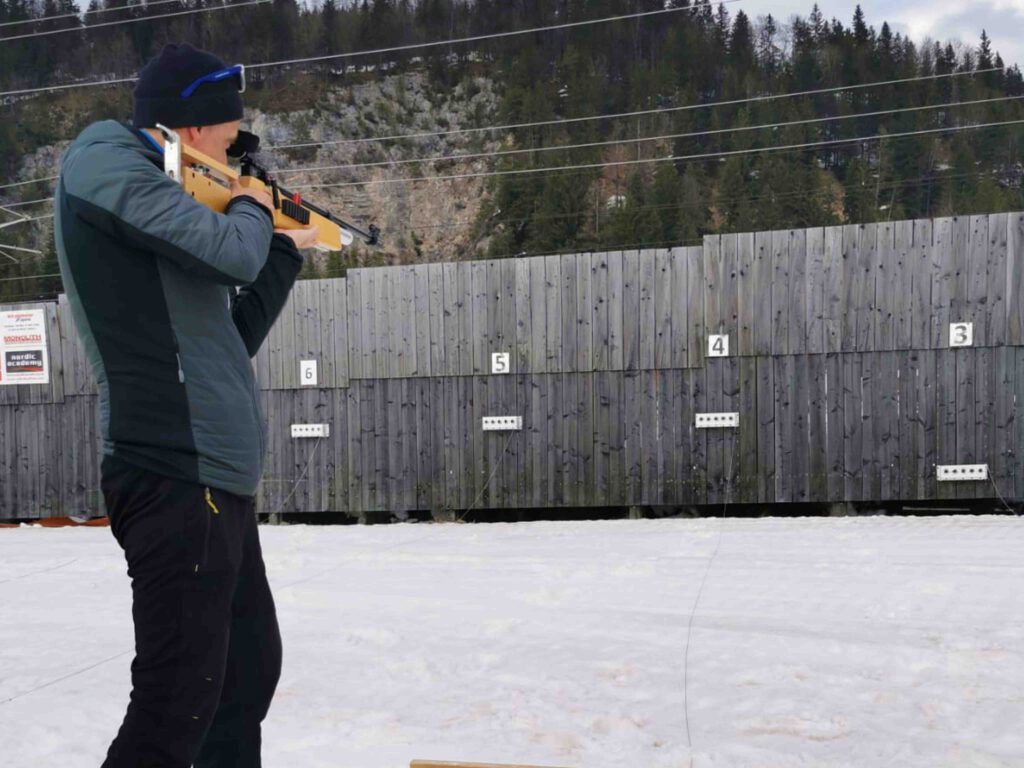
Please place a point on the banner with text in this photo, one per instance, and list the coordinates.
(23, 358)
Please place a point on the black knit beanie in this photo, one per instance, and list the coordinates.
(158, 92)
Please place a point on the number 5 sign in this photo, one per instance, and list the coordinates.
(500, 363)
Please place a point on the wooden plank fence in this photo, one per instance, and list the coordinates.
(839, 366)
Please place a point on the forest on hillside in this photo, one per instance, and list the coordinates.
(667, 176)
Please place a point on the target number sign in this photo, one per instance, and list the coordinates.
(961, 334)
(718, 346)
(307, 373)
(500, 363)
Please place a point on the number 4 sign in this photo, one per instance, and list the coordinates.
(718, 346)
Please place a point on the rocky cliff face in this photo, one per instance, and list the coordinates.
(419, 220)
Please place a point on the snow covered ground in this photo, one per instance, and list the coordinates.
(818, 642)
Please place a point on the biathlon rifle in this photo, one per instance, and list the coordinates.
(209, 182)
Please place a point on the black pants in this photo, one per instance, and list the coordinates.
(207, 645)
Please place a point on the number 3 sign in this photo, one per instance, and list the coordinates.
(961, 334)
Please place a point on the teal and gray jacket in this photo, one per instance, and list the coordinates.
(171, 301)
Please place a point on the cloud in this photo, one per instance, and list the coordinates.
(940, 20)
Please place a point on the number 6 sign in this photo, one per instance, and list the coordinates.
(307, 373)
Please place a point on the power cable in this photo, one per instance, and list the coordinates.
(49, 32)
(670, 158)
(378, 51)
(665, 137)
(639, 113)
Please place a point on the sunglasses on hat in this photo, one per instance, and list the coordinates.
(237, 71)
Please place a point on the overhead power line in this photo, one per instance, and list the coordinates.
(378, 51)
(663, 110)
(30, 181)
(637, 113)
(669, 158)
(563, 170)
(48, 32)
(665, 137)
(88, 12)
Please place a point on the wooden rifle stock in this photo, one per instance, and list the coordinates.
(208, 181)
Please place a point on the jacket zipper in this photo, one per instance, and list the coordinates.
(206, 518)
(177, 356)
(259, 420)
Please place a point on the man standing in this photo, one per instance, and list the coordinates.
(171, 301)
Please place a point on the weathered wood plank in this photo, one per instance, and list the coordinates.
(631, 310)
(780, 292)
(679, 309)
(521, 359)
(886, 273)
(437, 317)
(714, 294)
(921, 260)
(976, 304)
(602, 298)
(585, 442)
(538, 310)
(865, 302)
(569, 314)
(506, 337)
(849, 283)
(814, 279)
(872, 414)
(961, 309)
(746, 477)
(902, 296)
(715, 438)
(985, 427)
(943, 282)
(1015, 279)
(927, 425)
(966, 436)
(887, 425)
(853, 405)
(997, 276)
(696, 335)
(481, 344)
(799, 441)
(1003, 417)
(762, 316)
(632, 426)
(946, 416)
(648, 314)
(729, 280)
(834, 448)
(833, 290)
(616, 310)
(663, 324)
(817, 457)
(698, 388)
(797, 290)
(651, 457)
(553, 313)
(585, 310)
(766, 470)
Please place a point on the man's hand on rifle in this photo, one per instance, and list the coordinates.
(303, 238)
(260, 196)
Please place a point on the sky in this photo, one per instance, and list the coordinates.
(942, 20)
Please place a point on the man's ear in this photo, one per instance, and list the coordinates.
(189, 134)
